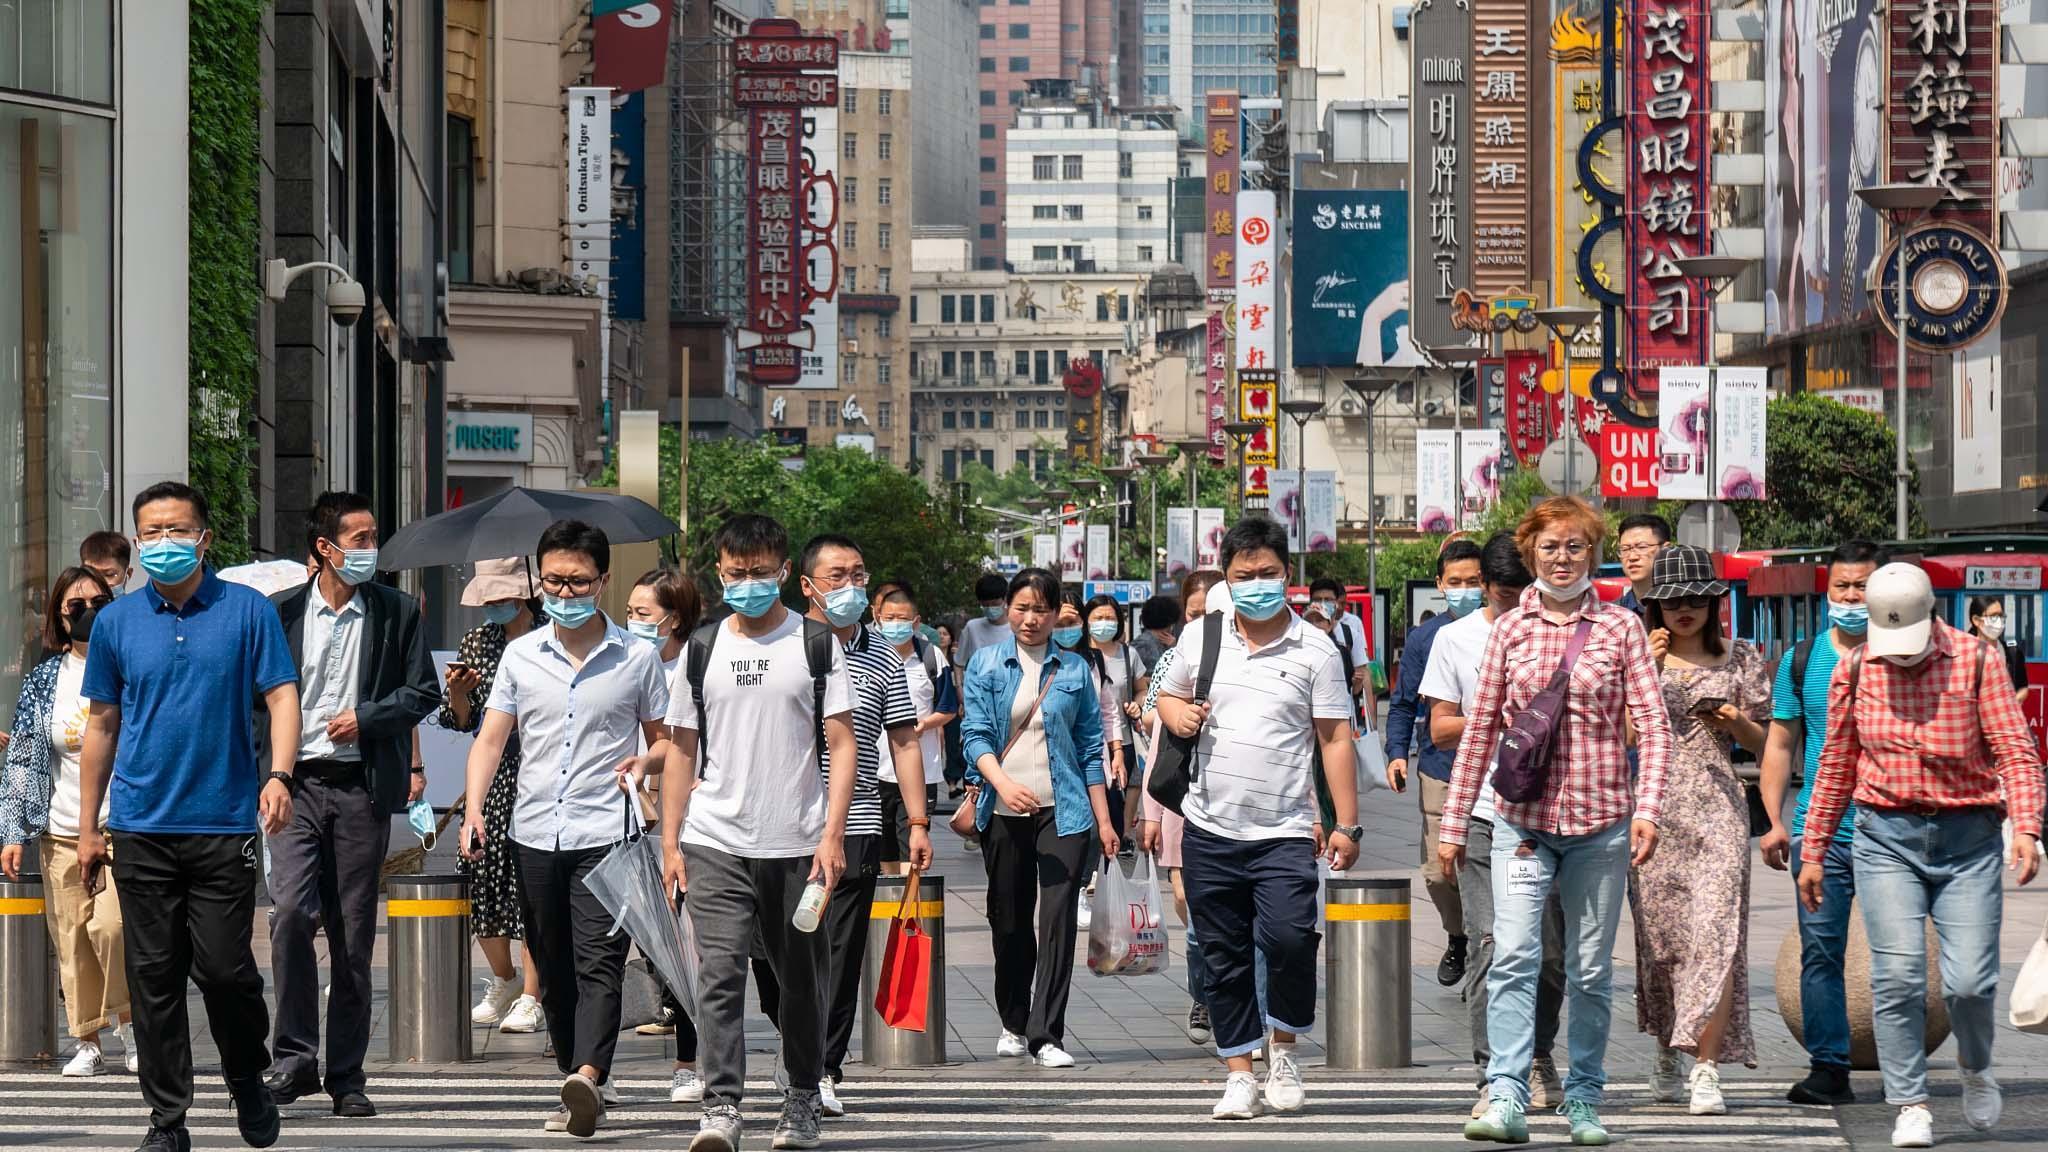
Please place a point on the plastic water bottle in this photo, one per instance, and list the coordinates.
(809, 909)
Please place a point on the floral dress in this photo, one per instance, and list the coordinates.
(1695, 889)
(493, 878)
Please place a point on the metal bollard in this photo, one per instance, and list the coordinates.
(428, 919)
(28, 974)
(880, 1045)
(1366, 934)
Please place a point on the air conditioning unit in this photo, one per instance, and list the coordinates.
(1432, 407)
(1350, 406)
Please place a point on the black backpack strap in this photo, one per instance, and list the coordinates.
(928, 656)
(695, 664)
(818, 642)
(1802, 653)
(1212, 646)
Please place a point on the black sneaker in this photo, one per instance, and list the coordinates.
(1827, 1085)
(255, 1113)
(1451, 969)
(1199, 1030)
(166, 1140)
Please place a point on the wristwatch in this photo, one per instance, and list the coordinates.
(1354, 833)
(291, 782)
(920, 822)
(419, 769)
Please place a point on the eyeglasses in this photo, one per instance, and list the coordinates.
(572, 585)
(153, 535)
(1639, 549)
(1575, 549)
(766, 572)
(858, 578)
(76, 604)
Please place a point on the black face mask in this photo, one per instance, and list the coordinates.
(78, 623)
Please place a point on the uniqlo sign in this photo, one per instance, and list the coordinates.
(1669, 162)
(1942, 111)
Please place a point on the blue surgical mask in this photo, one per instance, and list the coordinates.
(569, 611)
(896, 631)
(647, 630)
(752, 598)
(420, 815)
(1258, 599)
(1067, 637)
(1103, 631)
(169, 561)
(845, 606)
(1851, 618)
(1465, 601)
(501, 614)
(994, 613)
(357, 565)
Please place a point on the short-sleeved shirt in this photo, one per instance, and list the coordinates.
(927, 697)
(979, 632)
(1452, 675)
(759, 794)
(576, 726)
(1809, 706)
(186, 681)
(1258, 747)
(881, 701)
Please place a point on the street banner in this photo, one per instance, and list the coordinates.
(1217, 409)
(1531, 415)
(1350, 295)
(1257, 284)
(1501, 168)
(1045, 551)
(1180, 542)
(1208, 537)
(1741, 396)
(1072, 561)
(1436, 480)
(1440, 169)
(1098, 552)
(1685, 425)
(629, 49)
(820, 362)
(1222, 145)
(1979, 453)
(1479, 456)
(1670, 98)
(1941, 123)
(1628, 460)
(1321, 498)
(590, 156)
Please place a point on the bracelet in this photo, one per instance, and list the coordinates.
(920, 822)
(419, 769)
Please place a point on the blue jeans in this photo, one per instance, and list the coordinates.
(1823, 936)
(1912, 866)
(1590, 873)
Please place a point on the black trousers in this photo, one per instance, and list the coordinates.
(581, 964)
(846, 948)
(1031, 867)
(895, 838)
(1246, 895)
(323, 871)
(188, 904)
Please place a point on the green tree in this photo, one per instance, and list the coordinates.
(1136, 547)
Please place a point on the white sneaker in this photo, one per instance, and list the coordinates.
(1706, 1090)
(1914, 1127)
(524, 1017)
(498, 996)
(1240, 1098)
(1052, 1056)
(1085, 914)
(609, 1093)
(86, 1061)
(126, 1034)
(685, 1086)
(1982, 1101)
(1667, 1079)
(828, 1098)
(1283, 1080)
(1011, 1044)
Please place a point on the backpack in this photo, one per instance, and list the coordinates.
(929, 656)
(1173, 768)
(818, 641)
(1801, 653)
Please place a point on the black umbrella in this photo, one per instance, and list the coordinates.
(509, 523)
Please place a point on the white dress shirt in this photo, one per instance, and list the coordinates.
(330, 674)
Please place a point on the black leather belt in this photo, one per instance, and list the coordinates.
(330, 772)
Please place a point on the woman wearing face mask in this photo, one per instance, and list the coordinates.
(39, 806)
(1032, 734)
(1987, 623)
(1071, 632)
(511, 604)
(663, 609)
(1691, 901)
(1128, 677)
(1588, 822)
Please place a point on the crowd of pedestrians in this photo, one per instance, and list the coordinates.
(1572, 759)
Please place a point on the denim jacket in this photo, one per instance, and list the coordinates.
(1072, 716)
(29, 776)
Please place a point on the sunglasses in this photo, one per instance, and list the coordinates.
(1688, 603)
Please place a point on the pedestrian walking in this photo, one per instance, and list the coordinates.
(929, 676)
(1586, 822)
(1070, 632)
(365, 683)
(1458, 578)
(1126, 679)
(39, 811)
(992, 626)
(109, 557)
(754, 822)
(1691, 900)
(1326, 606)
(1248, 850)
(580, 693)
(1926, 736)
(172, 675)
(1641, 538)
(1799, 718)
(1450, 689)
(1032, 734)
(510, 600)
(1158, 629)
(1987, 623)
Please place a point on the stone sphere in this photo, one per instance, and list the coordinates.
(1856, 977)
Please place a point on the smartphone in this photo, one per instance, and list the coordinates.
(455, 666)
(96, 879)
(1708, 705)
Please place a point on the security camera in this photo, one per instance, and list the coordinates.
(345, 298)
(345, 302)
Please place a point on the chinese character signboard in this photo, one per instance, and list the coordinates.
(1500, 147)
(781, 46)
(1257, 403)
(1216, 404)
(1942, 118)
(1223, 139)
(1668, 165)
(777, 276)
(1351, 294)
(590, 157)
(1257, 262)
(1531, 415)
(819, 363)
(1440, 169)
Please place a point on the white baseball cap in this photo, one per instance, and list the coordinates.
(1901, 602)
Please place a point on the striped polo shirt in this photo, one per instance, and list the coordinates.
(881, 701)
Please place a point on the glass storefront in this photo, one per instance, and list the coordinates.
(56, 306)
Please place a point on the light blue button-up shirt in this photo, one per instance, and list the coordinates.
(576, 726)
(1072, 715)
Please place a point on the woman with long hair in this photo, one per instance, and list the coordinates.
(1987, 623)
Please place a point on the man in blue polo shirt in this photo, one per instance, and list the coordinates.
(172, 677)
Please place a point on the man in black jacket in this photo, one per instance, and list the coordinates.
(366, 683)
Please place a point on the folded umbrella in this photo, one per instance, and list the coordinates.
(510, 523)
(628, 883)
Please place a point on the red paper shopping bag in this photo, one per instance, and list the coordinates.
(904, 985)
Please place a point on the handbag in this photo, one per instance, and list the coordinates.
(903, 986)
(1522, 773)
(2029, 1006)
(963, 816)
(1174, 766)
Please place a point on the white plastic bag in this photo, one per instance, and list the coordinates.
(1127, 933)
(2029, 1008)
(1369, 754)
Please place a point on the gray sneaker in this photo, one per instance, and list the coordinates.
(798, 1127)
(557, 1121)
(719, 1130)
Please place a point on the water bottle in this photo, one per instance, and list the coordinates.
(809, 909)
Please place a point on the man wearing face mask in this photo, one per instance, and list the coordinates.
(1927, 737)
(993, 625)
(365, 683)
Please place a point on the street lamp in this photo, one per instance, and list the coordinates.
(1718, 271)
(1241, 432)
(1902, 205)
(1301, 412)
(1565, 321)
(1369, 388)
(1191, 451)
(1154, 463)
(1456, 358)
(1119, 475)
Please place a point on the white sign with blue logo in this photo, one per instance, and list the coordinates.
(1122, 591)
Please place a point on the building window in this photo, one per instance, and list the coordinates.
(1017, 97)
(1045, 212)
(882, 188)
(849, 374)
(885, 375)
(1071, 252)
(988, 95)
(966, 309)
(988, 163)
(988, 31)
(1144, 211)
(885, 411)
(1040, 419)
(1042, 167)
(885, 103)
(1070, 212)
(1045, 251)
(949, 421)
(988, 313)
(988, 64)
(946, 315)
(1059, 417)
(849, 237)
(1041, 359)
(849, 190)
(988, 232)
(849, 100)
(461, 193)
(988, 197)
(1020, 31)
(1070, 167)
(885, 327)
(849, 280)
(849, 327)
(1123, 165)
(949, 464)
(1023, 455)
(913, 309)
(1023, 421)
(1144, 254)
(988, 419)
(849, 146)
(988, 132)
(884, 233)
(885, 146)
(1020, 63)
(812, 415)
(1023, 365)
(1059, 362)
(988, 364)
(882, 278)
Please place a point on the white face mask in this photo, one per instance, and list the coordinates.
(1992, 626)
(1572, 591)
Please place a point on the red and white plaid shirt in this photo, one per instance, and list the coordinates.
(1589, 775)
(1945, 733)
